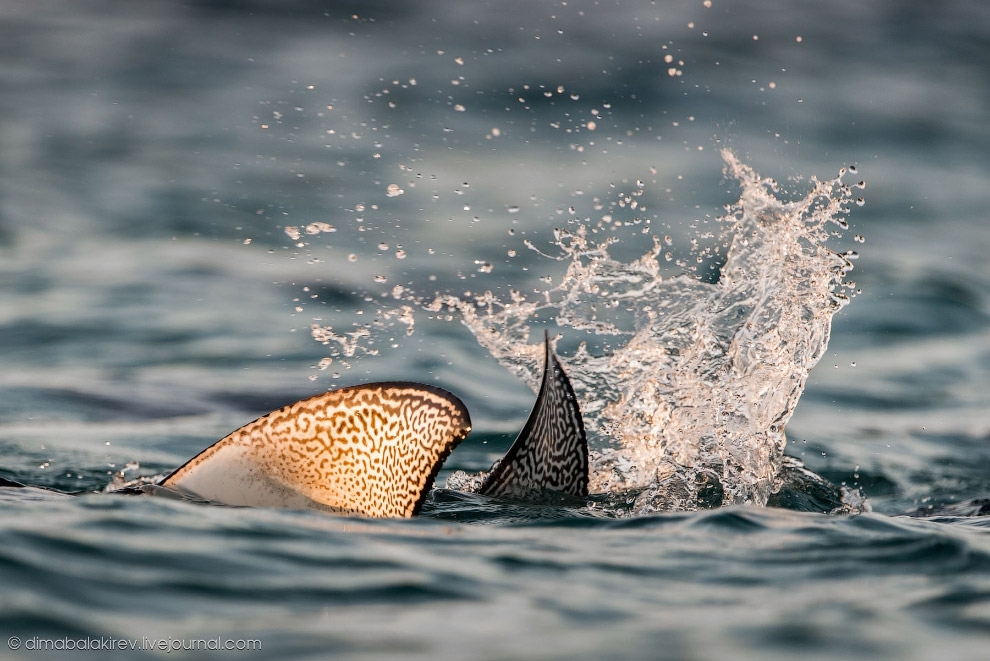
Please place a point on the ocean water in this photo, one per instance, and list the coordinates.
(211, 209)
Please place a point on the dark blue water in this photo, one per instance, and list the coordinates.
(152, 155)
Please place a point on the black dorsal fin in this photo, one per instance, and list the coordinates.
(551, 451)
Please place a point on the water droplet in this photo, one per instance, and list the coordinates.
(318, 227)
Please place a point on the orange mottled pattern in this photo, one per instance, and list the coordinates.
(373, 449)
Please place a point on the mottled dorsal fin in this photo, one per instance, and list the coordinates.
(373, 449)
(551, 451)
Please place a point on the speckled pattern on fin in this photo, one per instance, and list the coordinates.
(551, 451)
(373, 449)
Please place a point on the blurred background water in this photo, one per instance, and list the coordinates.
(153, 154)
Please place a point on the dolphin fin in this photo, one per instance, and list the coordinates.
(372, 449)
(551, 451)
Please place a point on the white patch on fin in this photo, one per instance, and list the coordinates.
(373, 449)
(551, 451)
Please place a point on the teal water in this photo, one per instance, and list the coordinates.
(153, 157)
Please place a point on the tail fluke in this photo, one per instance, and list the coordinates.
(551, 451)
(373, 449)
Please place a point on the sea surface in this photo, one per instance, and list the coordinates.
(211, 209)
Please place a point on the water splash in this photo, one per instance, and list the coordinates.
(688, 405)
(685, 385)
